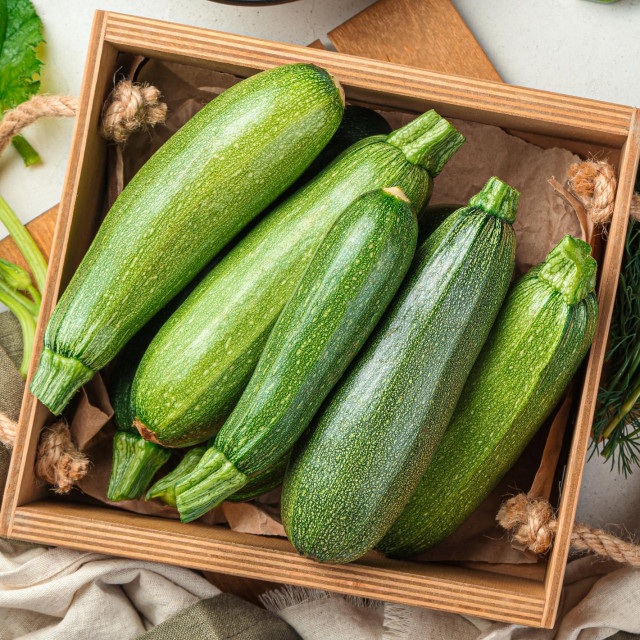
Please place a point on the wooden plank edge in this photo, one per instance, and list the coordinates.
(267, 47)
(239, 560)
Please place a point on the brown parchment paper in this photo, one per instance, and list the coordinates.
(543, 219)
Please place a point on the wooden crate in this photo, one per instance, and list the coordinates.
(575, 123)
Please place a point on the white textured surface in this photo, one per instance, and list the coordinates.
(567, 46)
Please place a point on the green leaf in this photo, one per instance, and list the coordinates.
(20, 36)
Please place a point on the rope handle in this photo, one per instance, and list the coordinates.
(130, 107)
(532, 523)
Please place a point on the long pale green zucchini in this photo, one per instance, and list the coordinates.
(357, 465)
(352, 278)
(540, 338)
(213, 176)
(199, 363)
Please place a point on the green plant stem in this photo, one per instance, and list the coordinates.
(25, 243)
(625, 408)
(35, 294)
(32, 307)
(28, 153)
(27, 324)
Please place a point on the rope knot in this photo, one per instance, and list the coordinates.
(59, 462)
(531, 521)
(131, 107)
(594, 183)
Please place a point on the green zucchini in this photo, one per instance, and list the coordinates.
(215, 174)
(540, 338)
(356, 467)
(197, 366)
(352, 278)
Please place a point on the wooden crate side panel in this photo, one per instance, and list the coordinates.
(208, 548)
(82, 193)
(402, 87)
(610, 272)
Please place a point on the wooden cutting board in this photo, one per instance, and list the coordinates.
(429, 34)
(423, 33)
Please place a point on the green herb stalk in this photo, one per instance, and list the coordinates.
(616, 426)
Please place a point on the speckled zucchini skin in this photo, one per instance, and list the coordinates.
(221, 169)
(199, 363)
(533, 351)
(357, 465)
(351, 280)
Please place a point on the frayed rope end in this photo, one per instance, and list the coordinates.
(59, 462)
(131, 107)
(594, 183)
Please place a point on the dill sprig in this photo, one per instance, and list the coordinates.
(616, 427)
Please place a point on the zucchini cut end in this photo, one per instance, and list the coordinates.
(498, 199)
(135, 462)
(428, 141)
(57, 379)
(570, 269)
(212, 481)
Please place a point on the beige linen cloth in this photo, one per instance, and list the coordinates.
(51, 593)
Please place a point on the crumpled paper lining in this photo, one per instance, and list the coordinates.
(543, 219)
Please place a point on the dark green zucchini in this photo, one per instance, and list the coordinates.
(352, 278)
(196, 368)
(213, 176)
(540, 338)
(433, 217)
(356, 467)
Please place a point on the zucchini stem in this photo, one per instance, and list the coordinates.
(213, 480)
(27, 325)
(25, 242)
(135, 462)
(165, 488)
